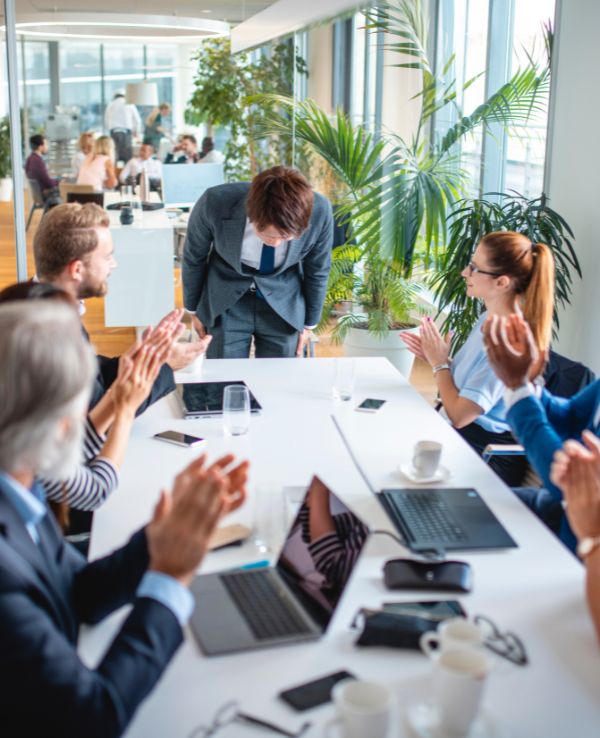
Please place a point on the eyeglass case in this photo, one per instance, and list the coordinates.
(447, 576)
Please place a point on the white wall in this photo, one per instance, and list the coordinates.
(573, 168)
(320, 65)
(399, 112)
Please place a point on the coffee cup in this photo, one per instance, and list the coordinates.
(364, 708)
(459, 679)
(426, 458)
(452, 633)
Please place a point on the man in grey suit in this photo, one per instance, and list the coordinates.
(255, 264)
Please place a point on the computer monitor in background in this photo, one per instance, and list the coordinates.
(183, 184)
(84, 197)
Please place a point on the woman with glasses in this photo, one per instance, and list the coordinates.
(509, 274)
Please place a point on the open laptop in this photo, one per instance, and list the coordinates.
(205, 399)
(438, 520)
(293, 601)
(84, 197)
(183, 184)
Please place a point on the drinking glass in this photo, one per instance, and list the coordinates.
(343, 379)
(236, 410)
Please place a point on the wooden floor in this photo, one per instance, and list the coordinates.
(113, 341)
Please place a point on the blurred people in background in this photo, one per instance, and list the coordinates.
(185, 151)
(123, 121)
(36, 169)
(98, 168)
(208, 154)
(155, 125)
(85, 146)
(145, 159)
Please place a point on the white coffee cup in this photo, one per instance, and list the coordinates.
(364, 708)
(452, 633)
(426, 458)
(459, 678)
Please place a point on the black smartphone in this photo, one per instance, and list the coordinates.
(430, 609)
(369, 405)
(314, 693)
(179, 439)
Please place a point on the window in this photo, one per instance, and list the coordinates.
(80, 81)
(36, 95)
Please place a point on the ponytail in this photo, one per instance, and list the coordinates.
(538, 302)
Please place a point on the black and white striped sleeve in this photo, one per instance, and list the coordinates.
(88, 488)
(92, 441)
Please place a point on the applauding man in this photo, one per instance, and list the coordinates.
(576, 471)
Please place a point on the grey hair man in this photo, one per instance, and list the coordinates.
(47, 589)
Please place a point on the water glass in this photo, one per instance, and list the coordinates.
(236, 410)
(343, 379)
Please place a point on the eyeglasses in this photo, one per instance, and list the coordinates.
(507, 645)
(229, 713)
(473, 268)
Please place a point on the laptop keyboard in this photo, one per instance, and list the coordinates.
(426, 517)
(268, 613)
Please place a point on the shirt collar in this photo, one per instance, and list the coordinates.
(28, 503)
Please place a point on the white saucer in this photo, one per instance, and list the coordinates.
(407, 470)
(423, 721)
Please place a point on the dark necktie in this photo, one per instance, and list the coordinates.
(267, 259)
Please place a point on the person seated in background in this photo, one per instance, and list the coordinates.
(98, 167)
(47, 589)
(85, 146)
(155, 128)
(73, 250)
(36, 169)
(108, 425)
(185, 151)
(508, 273)
(540, 421)
(132, 171)
(576, 471)
(208, 153)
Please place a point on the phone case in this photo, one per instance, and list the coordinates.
(449, 576)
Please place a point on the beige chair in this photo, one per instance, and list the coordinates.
(66, 187)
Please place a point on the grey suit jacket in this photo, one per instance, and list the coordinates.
(214, 278)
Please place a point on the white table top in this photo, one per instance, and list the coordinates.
(535, 590)
(144, 219)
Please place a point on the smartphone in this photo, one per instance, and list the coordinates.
(369, 405)
(179, 439)
(314, 693)
(430, 609)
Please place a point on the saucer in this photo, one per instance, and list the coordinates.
(423, 721)
(407, 470)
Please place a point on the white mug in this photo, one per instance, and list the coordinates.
(364, 708)
(426, 458)
(459, 678)
(452, 633)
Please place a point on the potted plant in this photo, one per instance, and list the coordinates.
(474, 218)
(398, 192)
(5, 161)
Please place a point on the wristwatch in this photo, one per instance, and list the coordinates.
(586, 546)
(438, 367)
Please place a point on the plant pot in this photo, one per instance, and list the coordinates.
(359, 342)
(6, 189)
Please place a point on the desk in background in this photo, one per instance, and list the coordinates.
(536, 590)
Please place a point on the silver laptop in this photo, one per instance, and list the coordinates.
(293, 601)
(183, 184)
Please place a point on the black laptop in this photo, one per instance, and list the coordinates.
(438, 520)
(293, 601)
(205, 399)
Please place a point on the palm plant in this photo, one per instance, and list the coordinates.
(399, 191)
(473, 219)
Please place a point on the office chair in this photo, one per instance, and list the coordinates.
(37, 200)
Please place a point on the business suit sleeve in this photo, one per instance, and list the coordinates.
(316, 267)
(198, 244)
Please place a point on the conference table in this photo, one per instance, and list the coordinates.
(535, 590)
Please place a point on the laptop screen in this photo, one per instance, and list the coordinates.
(206, 398)
(321, 551)
(182, 184)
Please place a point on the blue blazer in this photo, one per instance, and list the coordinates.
(543, 425)
(46, 593)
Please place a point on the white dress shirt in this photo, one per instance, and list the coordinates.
(252, 248)
(134, 167)
(213, 157)
(119, 114)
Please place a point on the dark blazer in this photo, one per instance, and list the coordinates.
(214, 278)
(46, 592)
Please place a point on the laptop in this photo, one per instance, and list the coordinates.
(97, 198)
(205, 399)
(438, 520)
(183, 184)
(295, 600)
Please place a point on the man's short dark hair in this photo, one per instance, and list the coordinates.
(36, 141)
(280, 197)
(190, 137)
(66, 234)
(207, 144)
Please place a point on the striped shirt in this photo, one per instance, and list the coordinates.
(92, 482)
